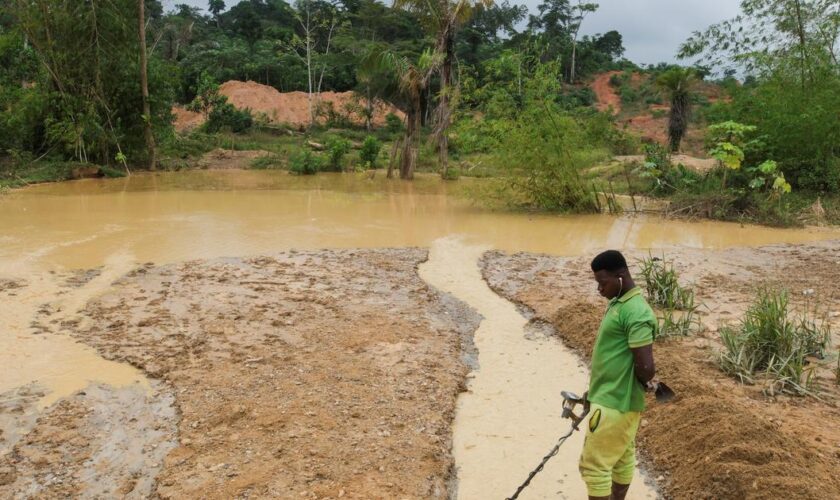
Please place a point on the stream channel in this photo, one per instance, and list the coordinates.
(510, 415)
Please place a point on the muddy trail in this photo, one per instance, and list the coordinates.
(304, 374)
(718, 439)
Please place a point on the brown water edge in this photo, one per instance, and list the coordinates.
(113, 225)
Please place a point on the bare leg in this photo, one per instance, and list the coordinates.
(619, 491)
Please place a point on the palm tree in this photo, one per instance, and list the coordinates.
(442, 19)
(412, 82)
(678, 82)
(144, 87)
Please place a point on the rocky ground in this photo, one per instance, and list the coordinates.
(718, 439)
(328, 374)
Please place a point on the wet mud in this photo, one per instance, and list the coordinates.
(323, 374)
(718, 439)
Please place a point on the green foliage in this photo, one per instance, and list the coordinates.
(664, 176)
(452, 174)
(305, 162)
(80, 100)
(544, 149)
(678, 83)
(674, 303)
(267, 162)
(337, 147)
(393, 124)
(225, 116)
(771, 342)
(370, 152)
(662, 285)
(111, 173)
(789, 52)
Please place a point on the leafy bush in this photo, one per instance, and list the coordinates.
(769, 342)
(370, 152)
(337, 147)
(452, 174)
(664, 177)
(393, 124)
(305, 162)
(225, 116)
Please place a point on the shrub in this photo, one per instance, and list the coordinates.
(770, 342)
(452, 174)
(370, 152)
(393, 124)
(110, 172)
(305, 162)
(664, 177)
(337, 147)
(226, 116)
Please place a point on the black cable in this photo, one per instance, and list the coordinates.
(542, 464)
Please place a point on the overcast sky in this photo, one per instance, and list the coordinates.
(652, 29)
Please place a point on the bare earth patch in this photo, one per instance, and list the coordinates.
(319, 374)
(718, 439)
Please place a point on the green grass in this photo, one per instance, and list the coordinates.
(37, 172)
(771, 343)
(675, 303)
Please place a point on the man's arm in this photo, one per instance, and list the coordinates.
(645, 369)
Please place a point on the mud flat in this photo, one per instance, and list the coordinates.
(718, 439)
(319, 374)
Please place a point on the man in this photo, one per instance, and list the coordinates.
(622, 367)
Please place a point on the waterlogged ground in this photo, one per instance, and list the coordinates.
(183, 335)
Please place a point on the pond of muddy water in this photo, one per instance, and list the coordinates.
(507, 419)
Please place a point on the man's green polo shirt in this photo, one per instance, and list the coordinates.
(628, 323)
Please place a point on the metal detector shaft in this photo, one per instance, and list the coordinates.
(542, 464)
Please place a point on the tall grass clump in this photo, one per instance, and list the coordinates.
(772, 343)
(674, 302)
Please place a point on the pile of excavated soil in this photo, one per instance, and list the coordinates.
(320, 374)
(605, 93)
(290, 108)
(701, 165)
(718, 439)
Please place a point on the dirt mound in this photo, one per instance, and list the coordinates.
(605, 93)
(186, 120)
(696, 164)
(300, 375)
(289, 108)
(718, 439)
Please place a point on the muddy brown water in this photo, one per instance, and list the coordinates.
(510, 415)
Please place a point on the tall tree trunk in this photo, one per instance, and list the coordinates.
(412, 129)
(574, 57)
(144, 86)
(444, 112)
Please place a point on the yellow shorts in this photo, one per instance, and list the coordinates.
(609, 450)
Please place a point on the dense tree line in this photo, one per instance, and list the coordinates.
(70, 80)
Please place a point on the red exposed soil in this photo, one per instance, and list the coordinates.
(718, 439)
(605, 93)
(290, 108)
